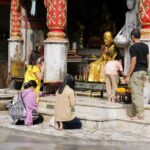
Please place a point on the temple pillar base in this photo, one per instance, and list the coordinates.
(56, 36)
(55, 57)
(145, 33)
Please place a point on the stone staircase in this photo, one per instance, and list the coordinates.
(97, 113)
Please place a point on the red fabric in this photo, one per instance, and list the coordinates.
(144, 13)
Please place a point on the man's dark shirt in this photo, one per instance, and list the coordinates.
(140, 51)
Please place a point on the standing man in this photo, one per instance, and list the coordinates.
(136, 76)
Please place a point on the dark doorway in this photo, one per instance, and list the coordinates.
(4, 30)
(4, 35)
(92, 18)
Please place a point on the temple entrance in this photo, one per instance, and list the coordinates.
(4, 35)
(86, 24)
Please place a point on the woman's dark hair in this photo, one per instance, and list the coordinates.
(29, 84)
(40, 60)
(70, 81)
(35, 55)
(136, 33)
(118, 57)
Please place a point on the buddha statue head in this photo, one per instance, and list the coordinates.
(131, 4)
(108, 38)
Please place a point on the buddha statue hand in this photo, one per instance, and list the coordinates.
(104, 49)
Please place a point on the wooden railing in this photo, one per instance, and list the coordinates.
(92, 86)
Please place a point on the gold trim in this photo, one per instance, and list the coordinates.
(16, 36)
(56, 35)
(56, 28)
(145, 33)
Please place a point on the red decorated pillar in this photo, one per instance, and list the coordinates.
(56, 44)
(15, 49)
(56, 18)
(15, 20)
(144, 17)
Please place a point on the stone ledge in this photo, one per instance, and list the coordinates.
(101, 111)
(9, 91)
(44, 111)
(146, 120)
(87, 102)
(98, 120)
(84, 135)
(82, 116)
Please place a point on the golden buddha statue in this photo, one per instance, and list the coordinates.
(108, 52)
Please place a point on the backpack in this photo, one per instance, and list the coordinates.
(17, 109)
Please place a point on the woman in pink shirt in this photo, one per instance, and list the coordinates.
(111, 72)
(29, 99)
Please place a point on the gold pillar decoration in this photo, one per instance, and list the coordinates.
(15, 20)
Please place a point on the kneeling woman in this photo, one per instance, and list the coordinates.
(29, 99)
(65, 102)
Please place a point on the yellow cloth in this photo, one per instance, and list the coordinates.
(31, 75)
(96, 67)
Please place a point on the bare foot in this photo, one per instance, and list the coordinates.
(109, 100)
(56, 126)
(60, 129)
(60, 126)
(113, 100)
(134, 118)
(140, 117)
(137, 118)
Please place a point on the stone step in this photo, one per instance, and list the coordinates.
(82, 116)
(5, 96)
(46, 111)
(122, 123)
(87, 121)
(131, 133)
(96, 113)
(95, 107)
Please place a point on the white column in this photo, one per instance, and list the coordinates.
(147, 41)
(55, 56)
(146, 95)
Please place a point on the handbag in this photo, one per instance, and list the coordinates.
(17, 109)
(120, 40)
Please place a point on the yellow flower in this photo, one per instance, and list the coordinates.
(121, 90)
